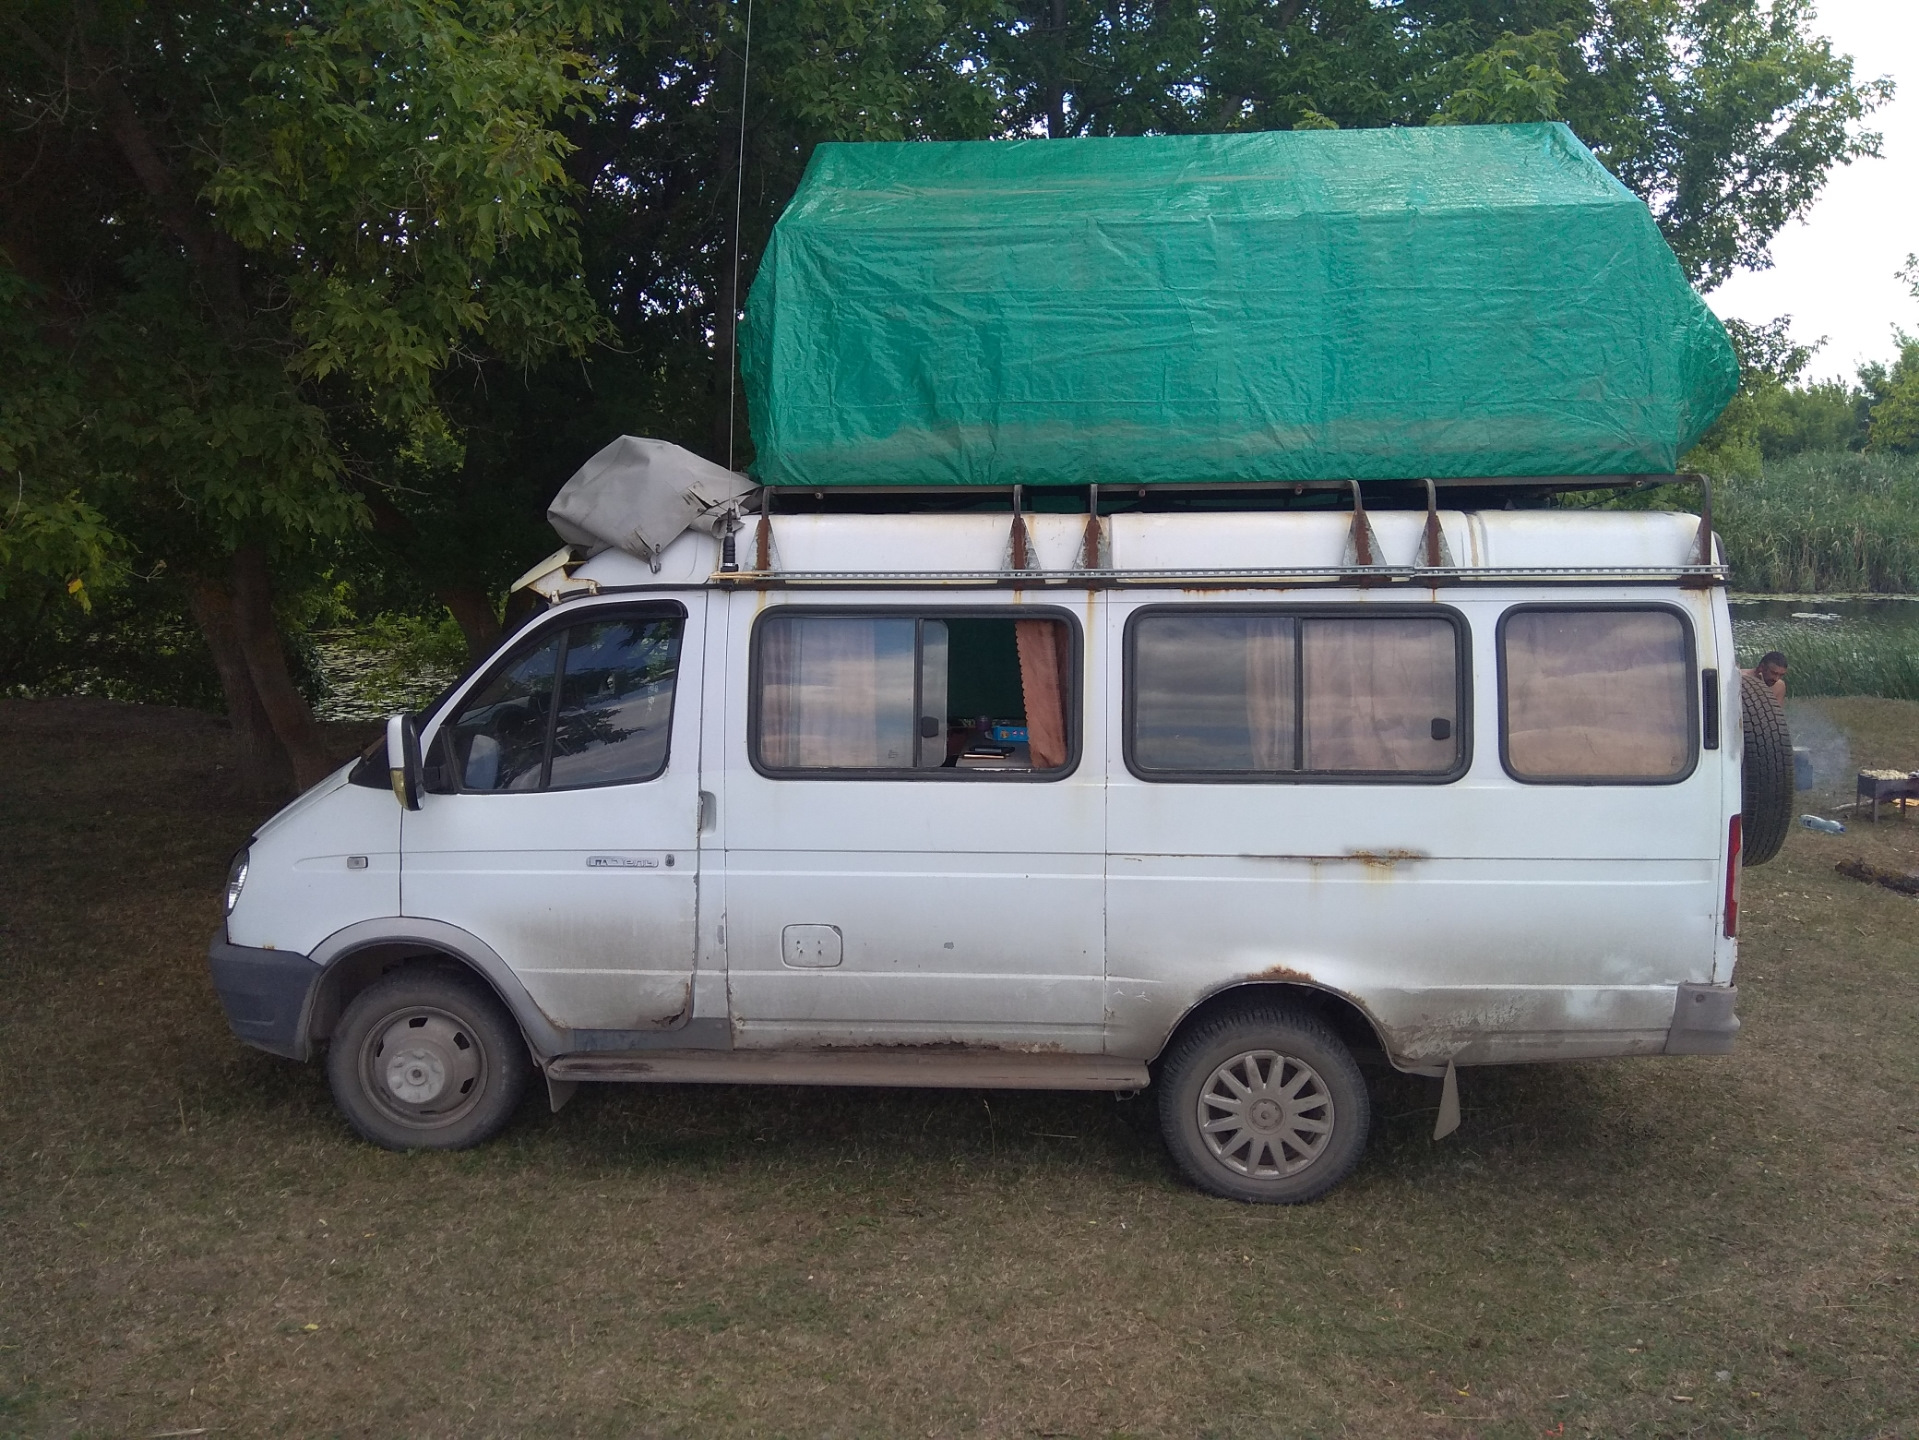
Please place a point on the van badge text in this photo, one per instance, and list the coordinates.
(621, 862)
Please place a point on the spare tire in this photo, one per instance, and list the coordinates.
(1766, 782)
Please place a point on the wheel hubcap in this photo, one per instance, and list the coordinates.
(424, 1066)
(415, 1076)
(1265, 1115)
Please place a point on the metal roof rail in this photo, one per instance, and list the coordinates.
(1700, 576)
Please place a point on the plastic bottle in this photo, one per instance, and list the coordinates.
(1819, 822)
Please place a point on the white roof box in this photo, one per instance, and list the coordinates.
(641, 495)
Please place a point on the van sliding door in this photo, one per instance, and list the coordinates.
(914, 846)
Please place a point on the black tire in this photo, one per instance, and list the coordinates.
(427, 1059)
(1766, 781)
(1277, 1157)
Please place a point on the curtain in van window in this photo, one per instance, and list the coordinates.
(1269, 690)
(1214, 692)
(836, 692)
(1044, 658)
(1374, 689)
(1596, 694)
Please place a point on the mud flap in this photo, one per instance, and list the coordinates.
(558, 1092)
(1448, 1120)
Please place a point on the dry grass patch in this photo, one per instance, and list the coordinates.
(192, 1238)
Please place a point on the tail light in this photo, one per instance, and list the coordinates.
(1732, 878)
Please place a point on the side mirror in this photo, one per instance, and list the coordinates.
(403, 760)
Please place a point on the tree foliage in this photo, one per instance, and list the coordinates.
(1776, 414)
(1725, 116)
(347, 287)
(251, 242)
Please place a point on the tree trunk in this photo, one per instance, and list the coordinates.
(725, 377)
(264, 768)
(1056, 99)
(266, 661)
(473, 612)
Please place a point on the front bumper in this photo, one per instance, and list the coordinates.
(266, 994)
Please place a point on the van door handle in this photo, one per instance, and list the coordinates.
(709, 810)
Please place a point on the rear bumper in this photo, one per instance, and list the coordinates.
(266, 994)
(1703, 1022)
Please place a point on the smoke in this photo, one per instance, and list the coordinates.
(1833, 776)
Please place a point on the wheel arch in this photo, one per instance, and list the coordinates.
(355, 957)
(1345, 1017)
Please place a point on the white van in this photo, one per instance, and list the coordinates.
(1220, 802)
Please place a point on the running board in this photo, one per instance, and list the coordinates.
(903, 1067)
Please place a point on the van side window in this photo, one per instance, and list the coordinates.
(1237, 694)
(1596, 695)
(919, 694)
(606, 722)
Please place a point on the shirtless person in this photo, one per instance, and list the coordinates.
(1771, 671)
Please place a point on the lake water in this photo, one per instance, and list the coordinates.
(1816, 613)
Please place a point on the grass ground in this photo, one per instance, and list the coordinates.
(192, 1240)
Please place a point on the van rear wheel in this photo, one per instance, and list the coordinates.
(1265, 1105)
(427, 1060)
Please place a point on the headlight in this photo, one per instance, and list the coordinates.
(236, 879)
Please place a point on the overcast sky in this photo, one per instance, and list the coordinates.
(1833, 272)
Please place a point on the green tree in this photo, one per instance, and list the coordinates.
(1725, 116)
(254, 243)
(1892, 393)
(1769, 364)
(665, 168)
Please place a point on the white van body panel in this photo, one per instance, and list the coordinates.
(1469, 919)
(1480, 920)
(328, 860)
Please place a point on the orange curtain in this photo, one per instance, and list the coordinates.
(1043, 660)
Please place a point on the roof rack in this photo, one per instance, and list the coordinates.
(751, 565)
(1402, 492)
(1363, 564)
(1285, 577)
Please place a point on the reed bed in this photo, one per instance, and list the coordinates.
(1832, 523)
(1847, 658)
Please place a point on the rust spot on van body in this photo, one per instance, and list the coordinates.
(1372, 859)
(680, 1016)
(1283, 972)
(847, 1045)
(1383, 861)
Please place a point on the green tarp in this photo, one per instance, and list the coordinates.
(1453, 301)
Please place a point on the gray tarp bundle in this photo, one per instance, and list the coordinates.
(641, 495)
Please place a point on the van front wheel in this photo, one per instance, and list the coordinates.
(427, 1060)
(1264, 1105)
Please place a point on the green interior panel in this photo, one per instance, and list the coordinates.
(983, 671)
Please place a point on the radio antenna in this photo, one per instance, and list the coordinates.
(733, 291)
